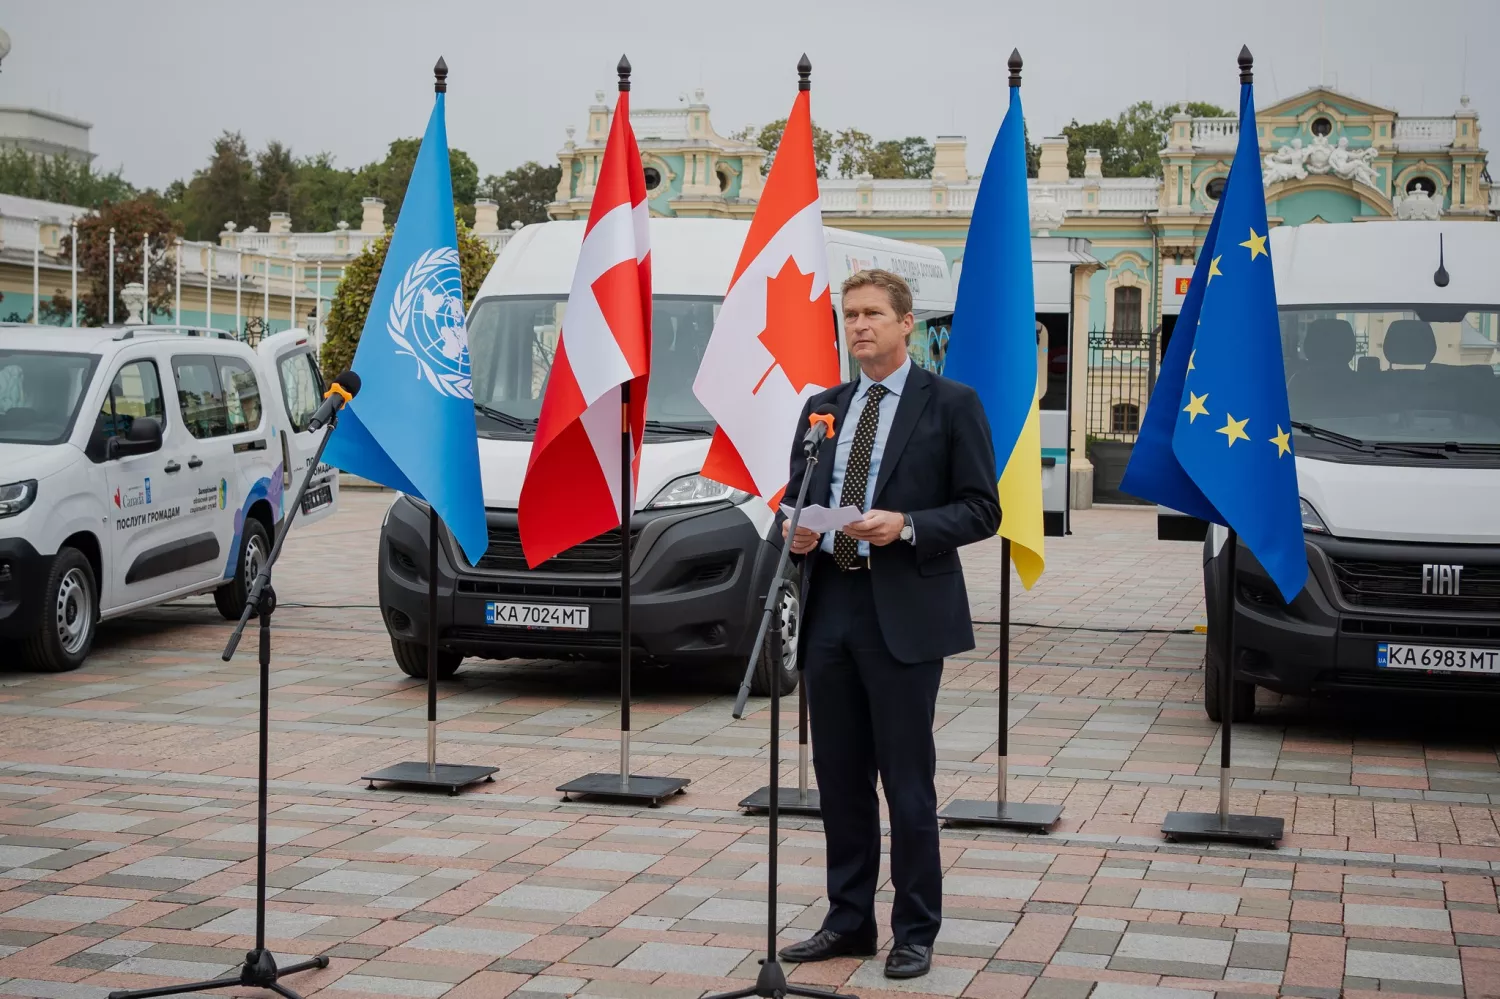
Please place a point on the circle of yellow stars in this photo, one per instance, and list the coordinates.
(1234, 430)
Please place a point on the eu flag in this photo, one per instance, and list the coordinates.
(412, 425)
(1233, 427)
(993, 344)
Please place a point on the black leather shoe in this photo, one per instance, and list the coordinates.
(826, 944)
(908, 961)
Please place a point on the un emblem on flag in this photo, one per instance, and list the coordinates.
(427, 321)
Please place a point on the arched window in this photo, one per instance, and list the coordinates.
(1124, 418)
(1127, 315)
(1321, 126)
(1215, 188)
(653, 178)
(1422, 184)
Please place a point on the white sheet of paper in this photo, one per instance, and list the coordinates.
(822, 519)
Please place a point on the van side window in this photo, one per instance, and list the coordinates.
(301, 387)
(241, 394)
(135, 392)
(200, 396)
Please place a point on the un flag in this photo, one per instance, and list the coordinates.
(412, 425)
(1233, 431)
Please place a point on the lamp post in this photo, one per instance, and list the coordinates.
(111, 281)
(73, 241)
(177, 286)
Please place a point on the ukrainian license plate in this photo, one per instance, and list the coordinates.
(1443, 658)
(316, 498)
(536, 616)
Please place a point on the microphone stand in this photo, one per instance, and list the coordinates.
(771, 983)
(259, 969)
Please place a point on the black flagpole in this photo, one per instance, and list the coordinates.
(1001, 812)
(624, 785)
(451, 776)
(771, 982)
(1222, 825)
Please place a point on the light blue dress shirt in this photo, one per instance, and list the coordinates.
(895, 384)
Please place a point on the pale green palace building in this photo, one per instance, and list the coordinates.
(1327, 157)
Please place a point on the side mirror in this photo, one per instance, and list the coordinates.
(143, 437)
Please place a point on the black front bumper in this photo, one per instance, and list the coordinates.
(23, 577)
(698, 583)
(1327, 638)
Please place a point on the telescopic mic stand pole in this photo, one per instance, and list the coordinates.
(624, 786)
(1003, 813)
(771, 983)
(259, 969)
(1222, 825)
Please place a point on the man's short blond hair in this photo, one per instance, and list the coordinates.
(894, 286)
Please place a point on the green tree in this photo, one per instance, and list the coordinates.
(131, 221)
(351, 300)
(387, 179)
(854, 149)
(275, 185)
(1130, 144)
(524, 192)
(223, 191)
(768, 137)
(59, 179)
(325, 194)
(1033, 153)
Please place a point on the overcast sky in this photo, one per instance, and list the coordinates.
(159, 79)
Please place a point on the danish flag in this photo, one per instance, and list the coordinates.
(773, 344)
(572, 489)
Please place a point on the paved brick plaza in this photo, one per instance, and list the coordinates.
(127, 813)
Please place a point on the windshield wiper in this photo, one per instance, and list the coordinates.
(664, 427)
(501, 416)
(1443, 447)
(1332, 436)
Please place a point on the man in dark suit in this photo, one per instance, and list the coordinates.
(884, 603)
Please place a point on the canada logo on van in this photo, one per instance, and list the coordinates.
(133, 496)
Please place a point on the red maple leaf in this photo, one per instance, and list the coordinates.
(799, 331)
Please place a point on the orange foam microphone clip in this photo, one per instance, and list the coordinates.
(824, 418)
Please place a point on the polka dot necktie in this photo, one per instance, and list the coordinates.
(857, 474)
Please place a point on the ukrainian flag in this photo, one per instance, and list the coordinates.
(993, 344)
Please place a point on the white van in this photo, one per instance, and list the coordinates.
(1389, 331)
(703, 553)
(141, 464)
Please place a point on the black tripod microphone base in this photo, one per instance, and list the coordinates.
(259, 971)
(790, 801)
(771, 984)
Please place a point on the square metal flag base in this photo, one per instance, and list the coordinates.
(789, 801)
(1266, 829)
(1005, 815)
(445, 775)
(652, 790)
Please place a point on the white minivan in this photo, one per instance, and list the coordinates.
(703, 553)
(141, 464)
(1389, 332)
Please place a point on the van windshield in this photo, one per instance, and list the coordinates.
(1415, 376)
(39, 394)
(512, 342)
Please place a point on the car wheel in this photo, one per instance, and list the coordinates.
(412, 658)
(255, 548)
(70, 613)
(778, 655)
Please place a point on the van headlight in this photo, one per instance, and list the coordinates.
(16, 496)
(695, 490)
(1311, 522)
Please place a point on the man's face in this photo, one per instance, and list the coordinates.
(875, 335)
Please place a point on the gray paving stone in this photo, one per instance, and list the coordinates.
(1116, 990)
(743, 911)
(173, 868)
(1059, 988)
(348, 882)
(32, 989)
(982, 887)
(469, 940)
(96, 821)
(1402, 967)
(279, 923)
(413, 987)
(187, 971)
(69, 908)
(685, 958)
(427, 846)
(542, 898)
(1171, 900)
(609, 860)
(1396, 915)
(940, 981)
(22, 856)
(977, 932)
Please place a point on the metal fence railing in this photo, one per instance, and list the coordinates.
(1121, 374)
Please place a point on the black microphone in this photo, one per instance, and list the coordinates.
(820, 427)
(344, 388)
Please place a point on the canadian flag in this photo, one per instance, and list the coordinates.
(773, 344)
(572, 489)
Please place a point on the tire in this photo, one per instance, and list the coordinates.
(412, 658)
(255, 547)
(778, 656)
(70, 615)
